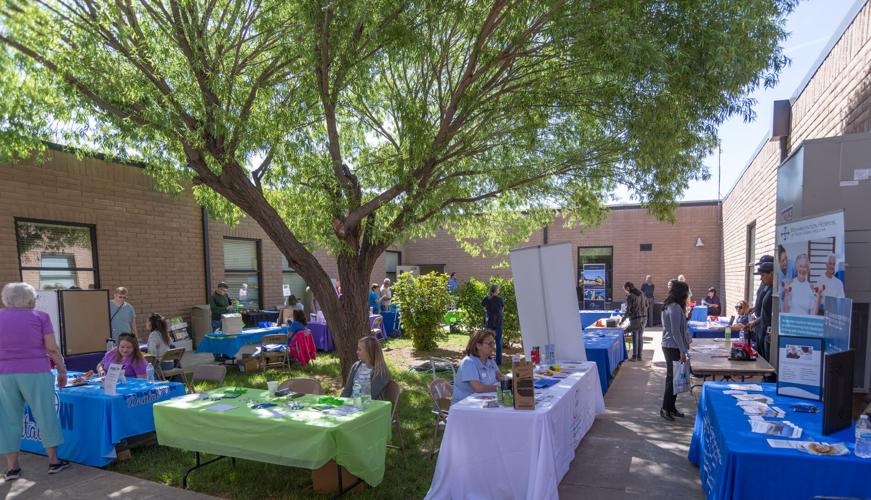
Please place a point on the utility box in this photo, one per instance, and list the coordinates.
(822, 176)
(201, 322)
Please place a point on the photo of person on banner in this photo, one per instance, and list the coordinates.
(799, 295)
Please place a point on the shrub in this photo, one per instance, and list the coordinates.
(423, 302)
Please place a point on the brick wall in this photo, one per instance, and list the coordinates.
(836, 101)
(674, 251)
(148, 241)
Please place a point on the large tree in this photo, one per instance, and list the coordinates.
(349, 125)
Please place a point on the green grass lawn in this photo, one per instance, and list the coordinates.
(408, 474)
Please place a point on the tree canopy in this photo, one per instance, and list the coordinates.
(349, 125)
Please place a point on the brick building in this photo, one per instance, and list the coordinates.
(833, 100)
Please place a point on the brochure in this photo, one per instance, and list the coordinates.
(746, 387)
(783, 429)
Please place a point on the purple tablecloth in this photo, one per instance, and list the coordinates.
(323, 339)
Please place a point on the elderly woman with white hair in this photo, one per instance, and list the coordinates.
(800, 296)
(26, 343)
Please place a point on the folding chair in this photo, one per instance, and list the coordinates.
(303, 385)
(273, 350)
(441, 392)
(208, 373)
(377, 330)
(438, 364)
(392, 393)
(174, 356)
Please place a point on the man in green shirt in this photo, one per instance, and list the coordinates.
(219, 303)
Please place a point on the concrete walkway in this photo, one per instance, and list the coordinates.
(83, 482)
(631, 452)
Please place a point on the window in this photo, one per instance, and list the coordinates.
(242, 271)
(596, 255)
(647, 247)
(57, 255)
(292, 279)
(391, 261)
(749, 278)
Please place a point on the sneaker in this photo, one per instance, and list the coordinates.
(55, 468)
(13, 474)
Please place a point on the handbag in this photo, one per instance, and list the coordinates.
(681, 379)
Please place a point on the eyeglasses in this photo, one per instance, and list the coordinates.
(739, 306)
(491, 344)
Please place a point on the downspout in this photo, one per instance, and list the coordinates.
(207, 260)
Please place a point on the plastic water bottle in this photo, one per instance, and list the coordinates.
(358, 390)
(149, 373)
(863, 437)
(365, 386)
(728, 336)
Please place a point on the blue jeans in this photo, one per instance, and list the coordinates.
(498, 330)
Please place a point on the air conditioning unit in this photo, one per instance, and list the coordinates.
(414, 270)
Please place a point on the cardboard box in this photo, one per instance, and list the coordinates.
(325, 480)
(249, 363)
(524, 388)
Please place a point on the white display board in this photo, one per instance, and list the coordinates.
(547, 302)
(47, 302)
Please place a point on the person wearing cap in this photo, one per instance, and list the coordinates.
(762, 324)
(219, 303)
(712, 301)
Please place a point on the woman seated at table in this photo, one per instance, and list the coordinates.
(299, 322)
(158, 340)
(371, 367)
(128, 355)
(712, 301)
(742, 308)
(477, 372)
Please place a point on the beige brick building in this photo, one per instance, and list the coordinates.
(834, 100)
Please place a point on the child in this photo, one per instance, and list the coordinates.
(371, 364)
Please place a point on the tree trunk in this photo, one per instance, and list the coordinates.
(348, 316)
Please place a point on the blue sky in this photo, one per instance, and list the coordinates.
(810, 26)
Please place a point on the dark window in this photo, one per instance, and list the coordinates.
(242, 271)
(57, 255)
(391, 260)
(647, 247)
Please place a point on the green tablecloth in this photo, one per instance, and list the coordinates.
(297, 438)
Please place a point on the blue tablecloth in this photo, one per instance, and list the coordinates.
(229, 345)
(700, 330)
(735, 463)
(391, 326)
(588, 318)
(324, 340)
(605, 346)
(93, 423)
(699, 313)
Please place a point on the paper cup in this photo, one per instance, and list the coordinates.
(272, 386)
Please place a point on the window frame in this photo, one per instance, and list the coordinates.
(92, 230)
(749, 267)
(259, 271)
(398, 263)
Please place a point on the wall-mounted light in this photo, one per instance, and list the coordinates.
(699, 242)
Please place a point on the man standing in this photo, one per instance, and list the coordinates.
(829, 284)
(121, 313)
(493, 305)
(762, 324)
(647, 289)
(219, 303)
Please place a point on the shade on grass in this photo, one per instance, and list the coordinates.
(408, 474)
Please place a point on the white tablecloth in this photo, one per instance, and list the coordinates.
(504, 453)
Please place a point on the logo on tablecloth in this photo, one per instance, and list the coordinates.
(29, 429)
(146, 398)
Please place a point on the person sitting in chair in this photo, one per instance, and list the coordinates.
(369, 367)
(477, 372)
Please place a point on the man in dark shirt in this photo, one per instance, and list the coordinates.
(762, 324)
(647, 289)
(219, 303)
(493, 305)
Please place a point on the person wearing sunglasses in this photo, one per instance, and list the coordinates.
(121, 314)
(477, 372)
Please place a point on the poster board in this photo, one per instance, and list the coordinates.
(547, 305)
(808, 267)
(594, 279)
(800, 366)
(46, 301)
(84, 316)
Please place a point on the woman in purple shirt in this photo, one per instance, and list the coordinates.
(26, 343)
(128, 355)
